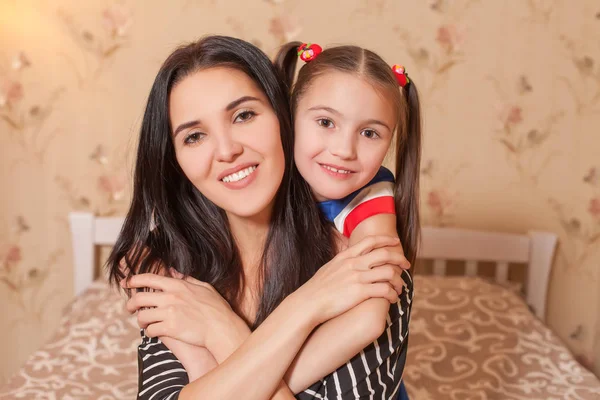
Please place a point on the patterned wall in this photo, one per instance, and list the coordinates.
(511, 125)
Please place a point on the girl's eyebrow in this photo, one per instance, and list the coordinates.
(336, 112)
(325, 108)
(378, 122)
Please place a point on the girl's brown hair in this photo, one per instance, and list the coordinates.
(364, 63)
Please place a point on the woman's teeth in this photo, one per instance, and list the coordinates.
(238, 176)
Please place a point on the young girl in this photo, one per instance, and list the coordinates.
(347, 103)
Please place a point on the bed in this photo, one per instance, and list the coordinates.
(470, 337)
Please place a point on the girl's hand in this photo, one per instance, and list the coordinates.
(184, 309)
(368, 269)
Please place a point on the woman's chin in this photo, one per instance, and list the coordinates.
(249, 209)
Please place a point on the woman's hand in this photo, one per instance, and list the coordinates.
(369, 269)
(184, 309)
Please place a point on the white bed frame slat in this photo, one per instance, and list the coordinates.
(83, 239)
(538, 273)
(502, 272)
(439, 267)
(536, 249)
(471, 268)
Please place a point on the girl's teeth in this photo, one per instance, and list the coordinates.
(238, 176)
(339, 171)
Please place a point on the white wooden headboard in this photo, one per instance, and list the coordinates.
(536, 249)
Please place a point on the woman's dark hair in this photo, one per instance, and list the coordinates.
(368, 65)
(192, 234)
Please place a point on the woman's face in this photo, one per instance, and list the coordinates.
(227, 140)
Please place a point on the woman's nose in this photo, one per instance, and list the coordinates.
(228, 149)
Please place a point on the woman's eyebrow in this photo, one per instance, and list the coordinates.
(229, 107)
(185, 125)
(239, 101)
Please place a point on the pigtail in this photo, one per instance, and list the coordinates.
(408, 160)
(286, 60)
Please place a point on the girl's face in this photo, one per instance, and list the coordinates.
(344, 127)
(227, 140)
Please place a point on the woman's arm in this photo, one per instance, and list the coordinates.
(169, 355)
(261, 361)
(162, 375)
(258, 365)
(196, 360)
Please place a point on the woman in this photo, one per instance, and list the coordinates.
(214, 173)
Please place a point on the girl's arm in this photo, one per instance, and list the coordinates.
(370, 212)
(339, 339)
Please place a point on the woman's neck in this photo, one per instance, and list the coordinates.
(250, 234)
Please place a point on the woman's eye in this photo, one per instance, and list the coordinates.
(325, 123)
(369, 133)
(244, 116)
(193, 138)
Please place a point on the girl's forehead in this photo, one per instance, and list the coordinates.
(350, 92)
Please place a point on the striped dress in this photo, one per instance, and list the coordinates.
(374, 373)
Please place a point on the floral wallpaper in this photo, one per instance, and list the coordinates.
(511, 126)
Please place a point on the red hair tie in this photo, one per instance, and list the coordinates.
(307, 51)
(401, 75)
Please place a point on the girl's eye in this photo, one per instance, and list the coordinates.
(325, 123)
(370, 134)
(244, 116)
(193, 137)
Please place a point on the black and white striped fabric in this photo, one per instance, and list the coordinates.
(375, 373)
(160, 374)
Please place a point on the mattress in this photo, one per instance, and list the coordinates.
(473, 339)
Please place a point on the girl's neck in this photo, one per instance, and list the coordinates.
(318, 197)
